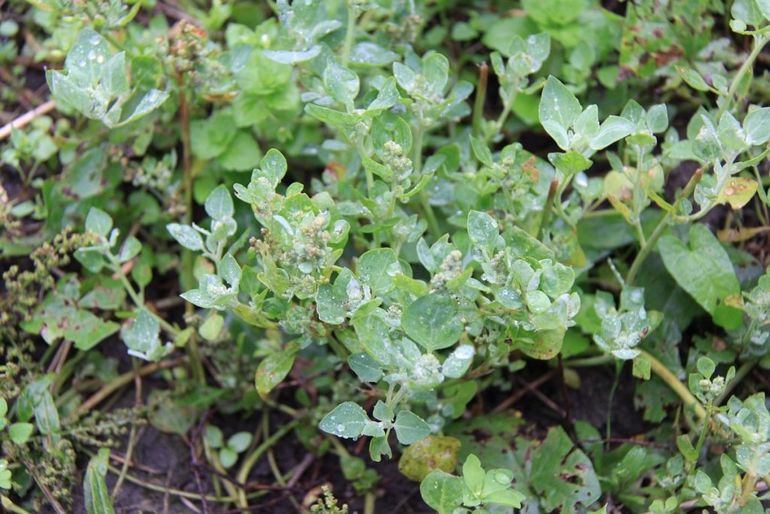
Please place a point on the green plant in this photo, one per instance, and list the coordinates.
(333, 211)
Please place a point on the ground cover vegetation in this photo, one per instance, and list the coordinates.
(384, 256)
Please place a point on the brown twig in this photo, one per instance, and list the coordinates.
(27, 118)
(531, 386)
(117, 383)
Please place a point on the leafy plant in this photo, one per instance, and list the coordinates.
(333, 212)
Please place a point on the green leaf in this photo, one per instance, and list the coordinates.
(756, 125)
(410, 427)
(142, 336)
(613, 129)
(98, 222)
(442, 491)
(341, 83)
(273, 167)
(219, 203)
(186, 236)
(20, 432)
(458, 361)
(473, 475)
(375, 267)
(242, 154)
(559, 109)
(432, 321)
(213, 436)
(366, 368)
(273, 369)
(702, 268)
(239, 441)
(346, 420)
(693, 79)
(484, 232)
(97, 497)
(227, 457)
(331, 299)
(562, 475)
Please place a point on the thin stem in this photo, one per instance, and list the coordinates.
(744, 370)
(117, 383)
(187, 255)
(648, 246)
(676, 385)
(253, 457)
(703, 432)
(350, 32)
(481, 96)
(7, 504)
(759, 42)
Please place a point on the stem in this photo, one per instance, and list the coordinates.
(369, 503)
(744, 370)
(547, 208)
(597, 360)
(7, 504)
(759, 43)
(349, 34)
(674, 383)
(248, 463)
(187, 255)
(647, 247)
(481, 96)
(703, 432)
(117, 383)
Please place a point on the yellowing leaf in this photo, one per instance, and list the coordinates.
(738, 191)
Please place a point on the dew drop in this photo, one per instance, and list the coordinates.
(340, 428)
(94, 40)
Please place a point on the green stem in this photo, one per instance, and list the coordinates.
(703, 432)
(648, 246)
(744, 370)
(253, 457)
(350, 32)
(759, 42)
(676, 385)
(597, 360)
(8, 505)
(481, 96)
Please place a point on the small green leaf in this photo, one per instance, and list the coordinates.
(375, 268)
(98, 222)
(239, 441)
(273, 369)
(613, 129)
(186, 236)
(20, 432)
(213, 436)
(227, 457)
(97, 497)
(702, 268)
(346, 420)
(756, 125)
(410, 427)
(432, 321)
(559, 109)
(142, 336)
(341, 83)
(484, 232)
(366, 368)
(442, 491)
(473, 474)
(219, 204)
